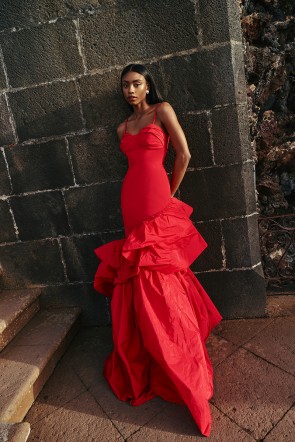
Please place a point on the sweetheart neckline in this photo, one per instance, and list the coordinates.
(151, 124)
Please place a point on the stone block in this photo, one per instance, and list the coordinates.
(102, 100)
(17, 309)
(248, 174)
(220, 26)
(169, 159)
(42, 53)
(197, 134)
(95, 309)
(94, 208)
(15, 432)
(212, 194)
(20, 13)
(237, 294)
(112, 236)
(211, 258)
(153, 29)
(39, 166)
(238, 69)
(42, 215)
(81, 261)
(242, 247)
(7, 232)
(6, 132)
(46, 110)
(30, 359)
(80, 7)
(31, 263)
(198, 81)
(230, 130)
(5, 187)
(97, 157)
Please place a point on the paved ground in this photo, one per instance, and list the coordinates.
(254, 398)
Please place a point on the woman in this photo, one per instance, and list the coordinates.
(161, 315)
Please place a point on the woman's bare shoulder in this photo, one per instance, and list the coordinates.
(165, 112)
(165, 108)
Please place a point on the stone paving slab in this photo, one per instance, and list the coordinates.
(61, 388)
(253, 398)
(219, 349)
(87, 361)
(126, 418)
(80, 420)
(252, 392)
(282, 305)
(175, 424)
(285, 430)
(276, 344)
(88, 352)
(82, 368)
(239, 331)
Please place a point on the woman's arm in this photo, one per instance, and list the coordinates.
(169, 120)
(121, 130)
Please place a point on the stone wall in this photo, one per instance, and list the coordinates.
(60, 166)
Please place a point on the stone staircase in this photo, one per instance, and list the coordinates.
(31, 343)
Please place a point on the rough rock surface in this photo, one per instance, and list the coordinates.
(269, 30)
(268, 27)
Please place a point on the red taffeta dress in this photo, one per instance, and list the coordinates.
(161, 315)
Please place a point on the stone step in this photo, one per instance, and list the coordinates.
(17, 307)
(30, 358)
(14, 432)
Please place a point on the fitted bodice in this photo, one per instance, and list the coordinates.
(148, 146)
(146, 188)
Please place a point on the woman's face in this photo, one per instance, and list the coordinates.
(134, 87)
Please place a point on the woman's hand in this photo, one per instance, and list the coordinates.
(168, 118)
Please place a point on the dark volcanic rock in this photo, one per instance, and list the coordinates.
(269, 27)
(269, 30)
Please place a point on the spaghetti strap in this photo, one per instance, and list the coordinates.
(125, 129)
(155, 113)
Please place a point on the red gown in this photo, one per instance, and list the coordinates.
(161, 315)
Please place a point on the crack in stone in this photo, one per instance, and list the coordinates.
(70, 161)
(80, 44)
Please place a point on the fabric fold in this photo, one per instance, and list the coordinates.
(161, 314)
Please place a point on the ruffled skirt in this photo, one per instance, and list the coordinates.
(161, 315)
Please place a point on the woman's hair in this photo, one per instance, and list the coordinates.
(154, 95)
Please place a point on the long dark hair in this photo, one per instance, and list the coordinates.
(154, 95)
